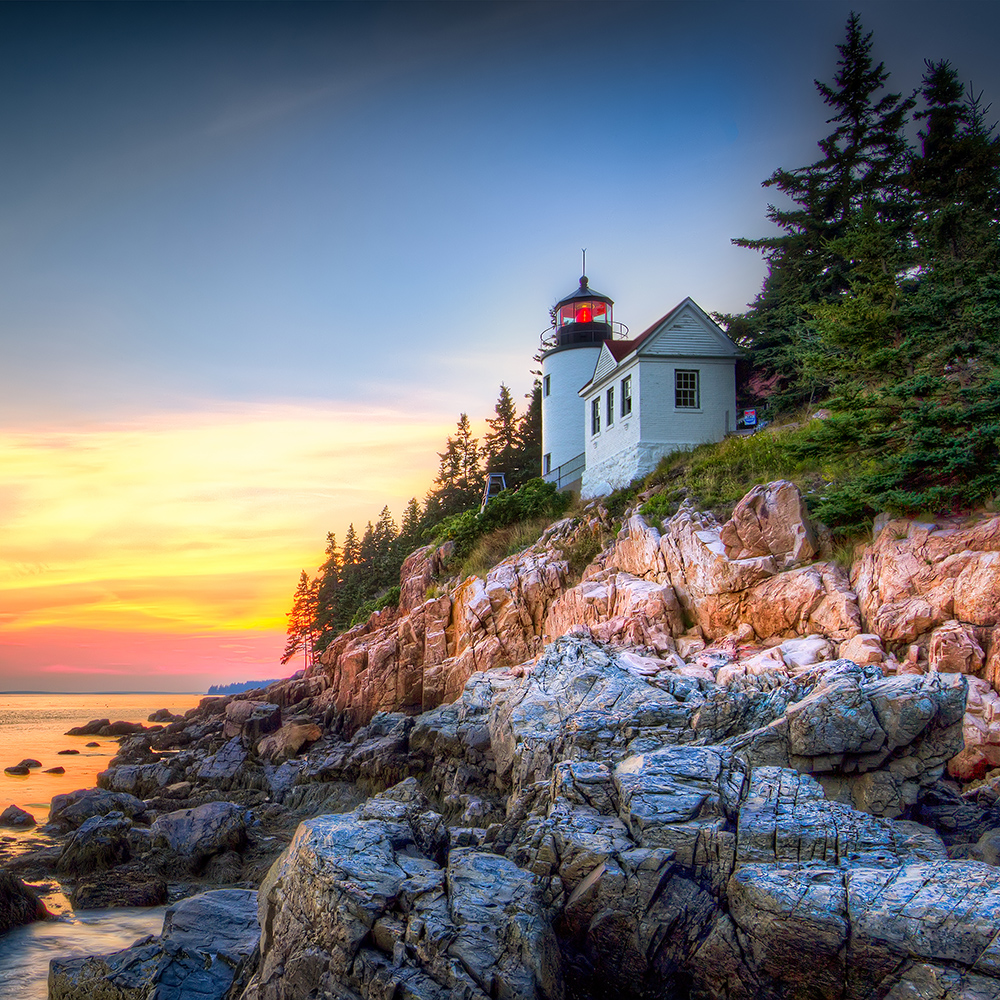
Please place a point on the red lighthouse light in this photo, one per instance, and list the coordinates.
(584, 315)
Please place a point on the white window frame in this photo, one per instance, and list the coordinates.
(609, 409)
(687, 381)
(595, 415)
(626, 395)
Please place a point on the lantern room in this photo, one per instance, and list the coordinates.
(583, 317)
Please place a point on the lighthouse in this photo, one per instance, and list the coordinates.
(583, 322)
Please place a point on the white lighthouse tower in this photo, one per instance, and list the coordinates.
(583, 322)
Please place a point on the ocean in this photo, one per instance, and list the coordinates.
(34, 725)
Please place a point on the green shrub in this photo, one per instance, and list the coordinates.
(536, 498)
(462, 529)
(582, 552)
(663, 505)
(389, 599)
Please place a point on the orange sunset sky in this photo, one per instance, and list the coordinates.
(257, 258)
(169, 547)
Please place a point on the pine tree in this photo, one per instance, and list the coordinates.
(328, 595)
(860, 176)
(410, 530)
(459, 482)
(501, 447)
(921, 404)
(529, 436)
(301, 619)
(385, 569)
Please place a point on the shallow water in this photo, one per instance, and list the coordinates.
(25, 951)
(35, 726)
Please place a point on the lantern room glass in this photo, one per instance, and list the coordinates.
(585, 311)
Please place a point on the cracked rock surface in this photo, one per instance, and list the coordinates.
(579, 832)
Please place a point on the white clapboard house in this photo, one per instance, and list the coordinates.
(612, 408)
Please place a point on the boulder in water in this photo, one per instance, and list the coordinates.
(92, 728)
(206, 940)
(70, 810)
(16, 816)
(18, 903)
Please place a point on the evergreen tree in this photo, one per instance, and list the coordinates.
(459, 482)
(501, 447)
(328, 595)
(301, 620)
(529, 436)
(921, 402)
(385, 569)
(351, 586)
(861, 171)
(410, 531)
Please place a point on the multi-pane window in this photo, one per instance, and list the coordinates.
(686, 389)
(595, 416)
(548, 384)
(626, 395)
(610, 408)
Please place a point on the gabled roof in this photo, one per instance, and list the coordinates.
(619, 348)
(686, 331)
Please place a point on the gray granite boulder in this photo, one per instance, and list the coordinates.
(354, 901)
(99, 843)
(16, 816)
(197, 834)
(205, 941)
(70, 810)
(251, 720)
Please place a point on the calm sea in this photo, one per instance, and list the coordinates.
(34, 725)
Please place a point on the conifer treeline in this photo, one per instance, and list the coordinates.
(362, 575)
(882, 297)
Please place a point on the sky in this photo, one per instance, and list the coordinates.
(255, 260)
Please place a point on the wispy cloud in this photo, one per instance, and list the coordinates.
(178, 524)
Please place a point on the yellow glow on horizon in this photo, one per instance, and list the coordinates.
(195, 522)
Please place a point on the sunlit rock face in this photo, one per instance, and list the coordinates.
(713, 763)
(751, 595)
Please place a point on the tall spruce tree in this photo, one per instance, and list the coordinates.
(459, 482)
(529, 435)
(860, 175)
(301, 620)
(328, 595)
(501, 447)
(922, 316)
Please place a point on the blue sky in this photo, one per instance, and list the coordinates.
(233, 202)
(257, 258)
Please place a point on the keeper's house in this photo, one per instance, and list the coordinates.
(612, 408)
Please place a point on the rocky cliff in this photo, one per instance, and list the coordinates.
(717, 765)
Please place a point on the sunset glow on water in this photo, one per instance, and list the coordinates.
(34, 726)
